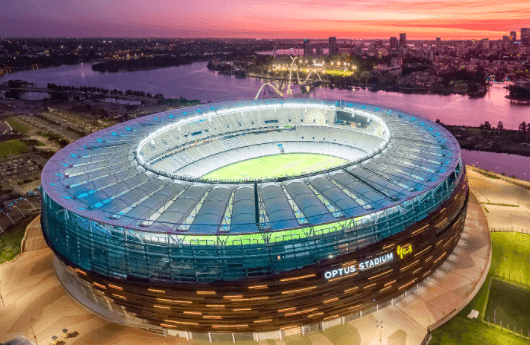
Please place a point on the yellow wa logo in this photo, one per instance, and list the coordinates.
(402, 251)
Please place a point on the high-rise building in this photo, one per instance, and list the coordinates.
(319, 51)
(485, 44)
(505, 42)
(333, 48)
(513, 36)
(308, 50)
(438, 42)
(525, 36)
(393, 43)
(402, 40)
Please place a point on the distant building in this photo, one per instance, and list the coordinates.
(525, 36)
(396, 61)
(346, 50)
(505, 42)
(308, 50)
(438, 42)
(319, 51)
(495, 45)
(393, 43)
(333, 48)
(513, 36)
(402, 40)
(485, 44)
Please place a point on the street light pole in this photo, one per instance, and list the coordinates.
(379, 324)
(23, 215)
(34, 336)
(13, 223)
(1, 297)
(34, 209)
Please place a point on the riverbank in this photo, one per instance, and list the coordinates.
(332, 82)
(145, 63)
(492, 140)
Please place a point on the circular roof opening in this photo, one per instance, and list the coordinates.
(212, 147)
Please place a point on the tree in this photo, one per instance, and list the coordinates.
(487, 125)
(518, 92)
(522, 127)
(500, 126)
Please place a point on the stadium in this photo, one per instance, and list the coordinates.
(248, 219)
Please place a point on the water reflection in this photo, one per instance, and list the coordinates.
(195, 81)
(516, 165)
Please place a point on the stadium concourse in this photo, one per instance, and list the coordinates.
(142, 236)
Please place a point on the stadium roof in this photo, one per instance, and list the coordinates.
(102, 177)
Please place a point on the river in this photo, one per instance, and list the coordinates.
(195, 81)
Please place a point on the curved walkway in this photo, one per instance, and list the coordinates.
(30, 289)
(506, 201)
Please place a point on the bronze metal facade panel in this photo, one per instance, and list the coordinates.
(299, 297)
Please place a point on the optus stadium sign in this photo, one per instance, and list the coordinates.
(401, 251)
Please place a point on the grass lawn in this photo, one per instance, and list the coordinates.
(11, 240)
(497, 204)
(488, 175)
(18, 125)
(343, 334)
(463, 331)
(515, 248)
(341, 73)
(298, 340)
(512, 306)
(13, 147)
(274, 166)
(511, 255)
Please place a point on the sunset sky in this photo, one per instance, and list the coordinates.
(420, 19)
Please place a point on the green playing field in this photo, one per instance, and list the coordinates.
(509, 304)
(275, 166)
(511, 256)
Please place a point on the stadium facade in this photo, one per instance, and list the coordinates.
(143, 235)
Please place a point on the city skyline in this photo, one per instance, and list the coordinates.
(314, 19)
